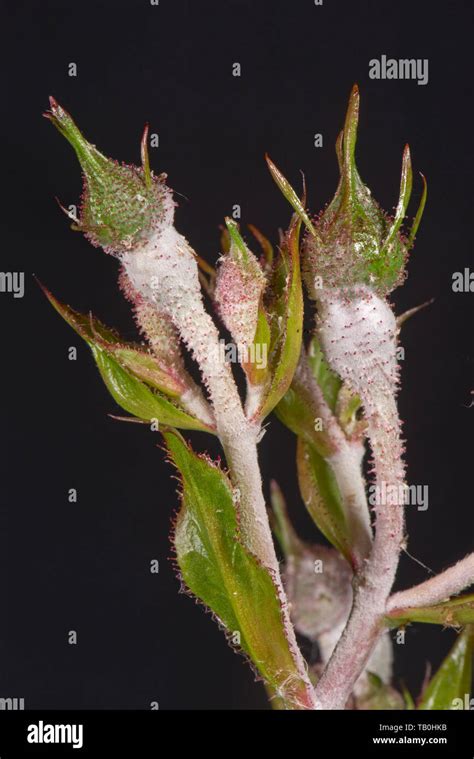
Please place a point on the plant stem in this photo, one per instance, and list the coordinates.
(239, 441)
(345, 459)
(371, 589)
(165, 272)
(449, 583)
(358, 336)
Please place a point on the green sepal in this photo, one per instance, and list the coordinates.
(218, 569)
(290, 194)
(356, 242)
(237, 249)
(120, 204)
(452, 682)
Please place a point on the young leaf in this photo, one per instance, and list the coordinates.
(452, 682)
(342, 402)
(286, 316)
(136, 398)
(257, 369)
(220, 571)
(294, 413)
(282, 527)
(378, 696)
(456, 612)
(131, 374)
(328, 381)
(322, 498)
(132, 357)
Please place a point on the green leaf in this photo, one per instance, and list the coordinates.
(408, 699)
(342, 402)
(221, 572)
(378, 696)
(451, 684)
(286, 316)
(132, 357)
(294, 412)
(456, 612)
(298, 409)
(281, 524)
(258, 374)
(322, 498)
(136, 398)
(131, 374)
(329, 382)
(144, 366)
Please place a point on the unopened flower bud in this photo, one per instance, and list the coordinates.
(354, 242)
(121, 205)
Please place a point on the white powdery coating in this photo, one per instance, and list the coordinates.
(237, 295)
(380, 661)
(164, 271)
(358, 334)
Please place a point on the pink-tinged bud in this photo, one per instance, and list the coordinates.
(239, 288)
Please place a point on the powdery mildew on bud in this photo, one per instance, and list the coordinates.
(358, 333)
(237, 295)
(164, 271)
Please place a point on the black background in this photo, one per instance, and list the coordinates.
(85, 566)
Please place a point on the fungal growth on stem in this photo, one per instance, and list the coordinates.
(337, 393)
